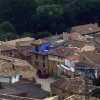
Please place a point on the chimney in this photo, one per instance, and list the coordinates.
(65, 36)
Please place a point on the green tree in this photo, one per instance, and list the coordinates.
(27, 34)
(44, 2)
(7, 31)
(7, 27)
(50, 10)
(43, 34)
(40, 15)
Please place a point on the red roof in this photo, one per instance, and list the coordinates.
(64, 51)
(73, 58)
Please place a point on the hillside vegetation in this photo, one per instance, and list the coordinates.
(39, 18)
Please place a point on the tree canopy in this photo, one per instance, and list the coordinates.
(51, 16)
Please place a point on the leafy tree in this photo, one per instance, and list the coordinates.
(7, 27)
(7, 31)
(35, 16)
(27, 34)
(43, 34)
(50, 10)
(44, 2)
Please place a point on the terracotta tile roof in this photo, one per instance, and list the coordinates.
(15, 61)
(93, 57)
(65, 82)
(75, 85)
(76, 43)
(97, 39)
(7, 47)
(13, 42)
(73, 58)
(63, 51)
(88, 48)
(86, 29)
(39, 41)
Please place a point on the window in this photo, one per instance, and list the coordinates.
(43, 58)
(44, 65)
(36, 56)
(13, 67)
(36, 63)
(10, 53)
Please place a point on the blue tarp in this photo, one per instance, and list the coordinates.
(43, 48)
